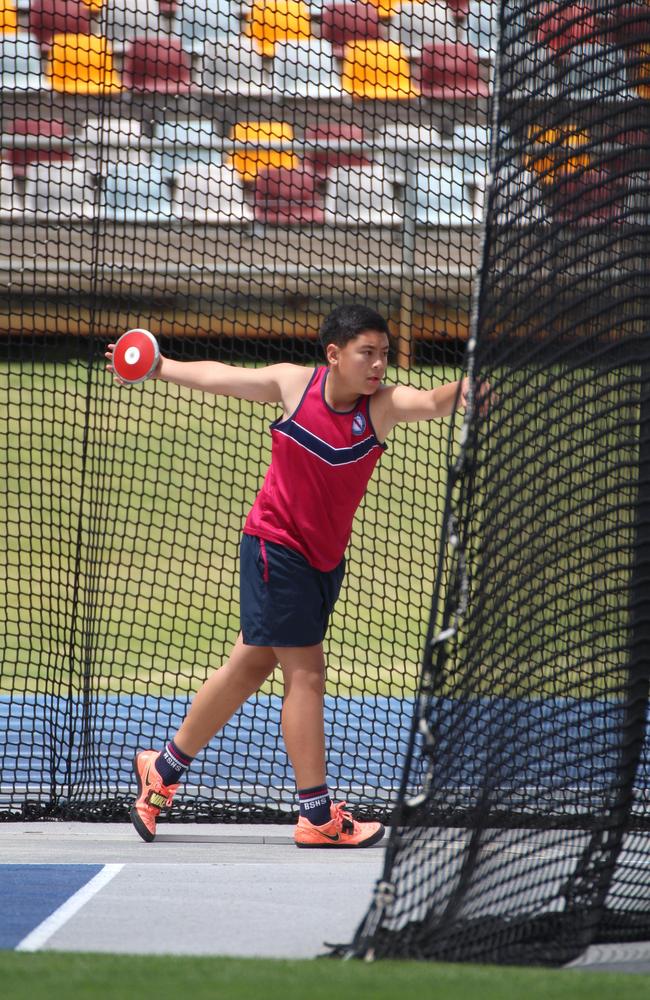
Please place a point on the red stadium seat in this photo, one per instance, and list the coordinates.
(630, 23)
(47, 18)
(285, 197)
(348, 21)
(451, 70)
(560, 29)
(321, 161)
(43, 151)
(157, 64)
(459, 8)
(590, 198)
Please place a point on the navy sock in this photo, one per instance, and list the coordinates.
(171, 764)
(315, 804)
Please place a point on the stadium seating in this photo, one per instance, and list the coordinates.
(20, 62)
(471, 134)
(285, 196)
(157, 64)
(198, 21)
(8, 17)
(629, 22)
(470, 151)
(588, 198)
(361, 195)
(413, 24)
(558, 153)
(424, 142)
(82, 64)
(451, 71)
(47, 134)
(321, 161)
(47, 18)
(184, 142)
(10, 198)
(231, 65)
(209, 193)
(481, 28)
(272, 21)
(134, 193)
(305, 67)
(348, 22)
(642, 81)
(459, 8)
(123, 20)
(257, 155)
(112, 140)
(377, 69)
(595, 73)
(518, 199)
(62, 190)
(560, 27)
(445, 196)
(385, 8)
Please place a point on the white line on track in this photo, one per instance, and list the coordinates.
(44, 931)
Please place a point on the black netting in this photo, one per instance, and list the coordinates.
(223, 175)
(523, 831)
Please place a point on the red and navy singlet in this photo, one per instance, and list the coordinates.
(321, 461)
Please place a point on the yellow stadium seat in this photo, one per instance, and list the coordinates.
(8, 17)
(643, 73)
(260, 135)
(94, 5)
(375, 68)
(82, 64)
(271, 21)
(385, 8)
(557, 152)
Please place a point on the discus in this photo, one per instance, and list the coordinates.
(136, 356)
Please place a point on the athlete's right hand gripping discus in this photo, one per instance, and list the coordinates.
(136, 356)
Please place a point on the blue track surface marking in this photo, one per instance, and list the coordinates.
(30, 893)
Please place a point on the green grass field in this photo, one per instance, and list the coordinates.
(121, 527)
(123, 977)
(123, 507)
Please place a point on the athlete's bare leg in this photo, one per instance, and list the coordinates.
(303, 727)
(222, 694)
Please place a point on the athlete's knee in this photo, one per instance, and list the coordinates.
(258, 661)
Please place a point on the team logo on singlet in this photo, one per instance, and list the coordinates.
(358, 424)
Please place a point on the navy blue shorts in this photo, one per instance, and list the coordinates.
(284, 600)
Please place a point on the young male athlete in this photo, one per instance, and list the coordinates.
(335, 419)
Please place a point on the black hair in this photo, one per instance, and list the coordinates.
(347, 321)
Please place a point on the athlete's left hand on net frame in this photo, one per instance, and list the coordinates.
(484, 397)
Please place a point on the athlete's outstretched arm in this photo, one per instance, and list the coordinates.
(261, 385)
(397, 404)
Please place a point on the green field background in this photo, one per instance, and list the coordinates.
(120, 530)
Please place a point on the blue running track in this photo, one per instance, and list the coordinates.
(31, 893)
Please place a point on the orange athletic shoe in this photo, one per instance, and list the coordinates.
(152, 795)
(341, 831)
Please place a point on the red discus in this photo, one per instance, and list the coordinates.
(136, 356)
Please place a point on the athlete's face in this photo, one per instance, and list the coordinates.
(361, 363)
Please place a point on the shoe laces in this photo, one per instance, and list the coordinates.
(342, 817)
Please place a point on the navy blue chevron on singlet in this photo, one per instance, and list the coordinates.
(321, 449)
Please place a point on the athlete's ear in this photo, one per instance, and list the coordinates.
(332, 354)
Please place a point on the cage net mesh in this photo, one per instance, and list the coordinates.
(222, 174)
(522, 831)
